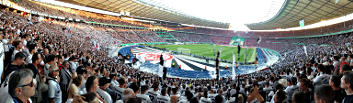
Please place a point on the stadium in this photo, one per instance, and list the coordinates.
(176, 51)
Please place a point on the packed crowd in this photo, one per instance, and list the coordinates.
(43, 64)
(183, 37)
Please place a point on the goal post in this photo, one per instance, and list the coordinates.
(184, 50)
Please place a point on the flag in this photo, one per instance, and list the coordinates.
(246, 49)
(233, 67)
(160, 70)
(306, 53)
(258, 40)
(239, 48)
(29, 17)
(23, 14)
(161, 60)
(98, 46)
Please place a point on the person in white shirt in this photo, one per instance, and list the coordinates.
(322, 77)
(114, 84)
(18, 48)
(103, 85)
(212, 95)
(291, 81)
(2, 56)
(120, 89)
(233, 91)
(5, 40)
(205, 98)
(50, 61)
(128, 94)
(31, 49)
(54, 90)
(220, 93)
(153, 93)
(145, 98)
(73, 63)
(336, 64)
(164, 98)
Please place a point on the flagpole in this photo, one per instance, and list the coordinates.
(217, 64)
(233, 68)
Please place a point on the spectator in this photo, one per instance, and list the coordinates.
(145, 98)
(153, 93)
(92, 86)
(163, 98)
(323, 94)
(32, 49)
(50, 62)
(18, 63)
(174, 96)
(128, 94)
(219, 99)
(18, 48)
(347, 85)
(298, 97)
(280, 96)
(173, 99)
(212, 95)
(121, 89)
(73, 63)
(65, 78)
(55, 93)
(90, 97)
(41, 85)
(304, 87)
(188, 95)
(220, 93)
(338, 93)
(205, 98)
(292, 81)
(74, 87)
(345, 68)
(255, 95)
(322, 77)
(102, 90)
(134, 100)
(114, 84)
(21, 86)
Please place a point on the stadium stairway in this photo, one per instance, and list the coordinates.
(260, 56)
(270, 55)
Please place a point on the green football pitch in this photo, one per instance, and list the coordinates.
(208, 50)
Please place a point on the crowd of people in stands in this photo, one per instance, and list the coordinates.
(42, 64)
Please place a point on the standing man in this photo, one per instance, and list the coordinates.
(104, 83)
(16, 64)
(65, 78)
(347, 85)
(54, 92)
(18, 48)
